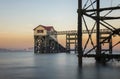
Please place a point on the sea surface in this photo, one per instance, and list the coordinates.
(27, 65)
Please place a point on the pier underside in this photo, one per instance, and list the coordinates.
(46, 44)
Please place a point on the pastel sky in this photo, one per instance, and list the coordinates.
(18, 18)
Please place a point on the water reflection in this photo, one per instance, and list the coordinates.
(60, 66)
(99, 71)
(65, 66)
(53, 66)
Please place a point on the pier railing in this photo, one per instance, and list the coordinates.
(75, 31)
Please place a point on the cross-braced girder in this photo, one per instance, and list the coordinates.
(92, 16)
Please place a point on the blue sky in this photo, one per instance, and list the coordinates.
(19, 17)
(22, 13)
(27, 14)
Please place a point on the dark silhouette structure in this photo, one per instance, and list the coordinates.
(93, 19)
(91, 9)
(44, 42)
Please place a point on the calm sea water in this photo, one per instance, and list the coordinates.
(27, 65)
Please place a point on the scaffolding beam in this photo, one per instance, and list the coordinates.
(80, 51)
(92, 10)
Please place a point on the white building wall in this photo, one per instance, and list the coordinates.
(45, 32)
(40, 28)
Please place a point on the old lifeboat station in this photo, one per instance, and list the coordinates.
(45, 42)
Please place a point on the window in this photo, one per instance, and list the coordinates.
(39, 31)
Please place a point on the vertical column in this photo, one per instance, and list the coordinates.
(69, 42)
(98, 50)
(75, 43)
(45, 47)
(35, 51)
(57, 44)
(110, 45)
(66, 44)
(80, 52)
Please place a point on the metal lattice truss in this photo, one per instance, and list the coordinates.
(91, 10)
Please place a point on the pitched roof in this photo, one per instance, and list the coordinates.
(48, 28)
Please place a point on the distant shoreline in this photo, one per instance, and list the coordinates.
(9, 50)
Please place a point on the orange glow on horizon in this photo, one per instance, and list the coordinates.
(26, 40)
(62, 40)
(16, 41)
